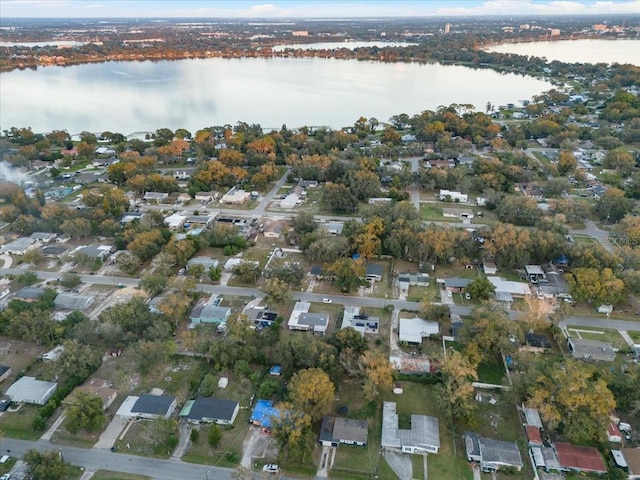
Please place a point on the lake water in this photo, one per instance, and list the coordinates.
(129, 97)
(578, 51)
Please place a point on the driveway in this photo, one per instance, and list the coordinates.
(111, 433)
(6, 261)
(184, 439)
(400, 463)
(445, 299)
(49, 433)
(257, 444)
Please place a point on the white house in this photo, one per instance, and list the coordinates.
(175, 221)
(422, 437)
(235, 197)
(301, 319)
(30, 390)
(413, 330)
(452, 196)
(147, 406)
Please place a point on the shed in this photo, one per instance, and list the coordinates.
(223, 382)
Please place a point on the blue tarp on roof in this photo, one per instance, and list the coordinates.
(263, 413)
(275, 370)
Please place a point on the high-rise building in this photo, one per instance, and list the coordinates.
(447, 28)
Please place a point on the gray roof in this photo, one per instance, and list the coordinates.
(206, 262)
(53, 250)
(456, 282)
(374, 269)
(313, 319)
(20, 244)
(69, 301)
(424, 431)
(504, 297)
(94, 251)
(152, 404)
(30, 390)
(30, 293)
(207, 408)
(499, 452)
(211, 312)
(346, 430)
(591, 349)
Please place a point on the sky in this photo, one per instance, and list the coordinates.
(307, 8)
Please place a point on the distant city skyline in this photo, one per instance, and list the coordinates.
(308, 8)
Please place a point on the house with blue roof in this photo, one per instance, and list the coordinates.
(263, 414)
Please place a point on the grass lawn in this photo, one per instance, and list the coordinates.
(228, 453)
(603, 335)
(109, 475)
(426, 294)
(81, 439)
(19, 424)
(8, 465)
(492, 372)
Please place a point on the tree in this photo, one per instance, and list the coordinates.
(455, 394)
(77, 360)
(612, 205)
(215, 435)
(481, 289)
(339, 198)
(311, 391)
(70, 280)
(196, 270)
(158, 431)
(215, 273)
(46, 465)
(249, 272)
(437, 313)
(518, 210)
(566, 162)
(349, 339)
(154, 284)
(619, 160)
(349, 273)
(276, 291)
(291, 273)
(595, 285)
(490, 331)
(290, 424)
(378, 372)
(303, 222)
(85, 413)
(571, 396)
(537, 312)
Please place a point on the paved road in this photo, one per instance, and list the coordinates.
(94, 460)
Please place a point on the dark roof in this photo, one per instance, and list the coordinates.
(30, 293)
(212, 408)
(337, 429)
(4, 369)
(374, 269)
(535, 340)
(152, 404)
(316, 270)
(456, 282)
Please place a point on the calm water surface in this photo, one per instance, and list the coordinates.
(578, 51)
(129, 97)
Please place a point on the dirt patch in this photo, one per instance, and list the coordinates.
(18, 355)
(257, 444)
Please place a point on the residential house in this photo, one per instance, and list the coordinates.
(307, 183)
(556, 285)
(70, 301)
(534, 437)
(579, 459)
(360, 322)
(155, 196)
(206, 197)
(632, 458)
(53, 251)
(422, 437)
(235, 197)
(129, 217)
(489, 267)
(414, 279)
(515, 289)
(95, 387)
(346, 431)
(586, 349)
(202, 221)
(374, 272)
(440, 164)
(334, 228)
(210, 410)
(29, 294)
(290, 201)
(19, 246)
(235, 261)
(206, 262)
(456, 284)
(614, 435)
(301, 319)
(263, 415)
(535, 274)
(242, 224)
(413, 330)
(96, 252)
(147, 406)
(452, 196)
(536, 343)
(209, 311)
(43, 237)
(492, 454)
(30, 390)
(175, 221)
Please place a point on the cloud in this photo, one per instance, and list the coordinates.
(532, 7)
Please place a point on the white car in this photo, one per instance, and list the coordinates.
(6, 476)
(327, 300)
(449, 294)
(271, 468)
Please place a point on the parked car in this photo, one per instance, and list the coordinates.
(327, 300)
(4, 405)
(449, 294)
(467, 296)
(271, 468)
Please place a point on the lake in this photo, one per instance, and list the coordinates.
(130, 97)
(577, 51)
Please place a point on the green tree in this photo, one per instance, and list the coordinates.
(312, 392)
(378, 372)
(612, 205)
(339, 198)
(480, 289)
(567, 162)
(276, 291)
(158, 432)
(490, 331)
(215, 273)
(348, 273)
(85, 413)
(248, 272)
(619, 160)
(215, 435)
(518, 210)
(77, 360)
(46, 465)
(209, 385)
(455, 395)
(154, 284)
(70, 280)
(595, 285)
